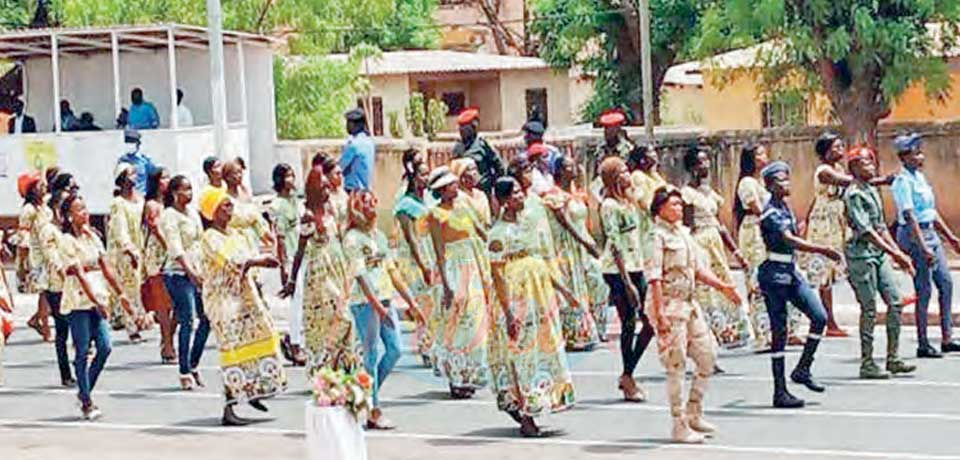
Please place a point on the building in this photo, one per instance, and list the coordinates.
(95, 69)
(681, 96)
(465, 25)
(506, 89)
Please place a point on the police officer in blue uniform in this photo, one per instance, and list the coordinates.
(781, 282)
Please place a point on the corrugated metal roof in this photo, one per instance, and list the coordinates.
(443, 61)
(686, 74)
(130, 28)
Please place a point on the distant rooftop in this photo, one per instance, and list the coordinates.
(444, 61)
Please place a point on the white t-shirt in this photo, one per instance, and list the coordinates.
(184, 117)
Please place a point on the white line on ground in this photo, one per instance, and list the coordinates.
(772, 450)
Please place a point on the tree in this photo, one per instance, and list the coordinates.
(862, 54)
(602, 37)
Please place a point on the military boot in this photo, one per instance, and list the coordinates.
(870, 371)
(695, 419)
(894, 364)
(782, 398)
(801, 374)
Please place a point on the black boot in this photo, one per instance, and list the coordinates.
(801, 374)
(231, 419)
(781, 397)
(258, 405)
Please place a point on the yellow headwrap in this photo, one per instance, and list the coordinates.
(210, 200)
(458, 166)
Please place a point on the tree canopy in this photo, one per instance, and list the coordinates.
(602, 38)
(862, 54)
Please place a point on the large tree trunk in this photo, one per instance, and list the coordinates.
(857, 100)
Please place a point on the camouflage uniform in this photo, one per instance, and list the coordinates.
(869, 272)
(674, 265)
(488, 160)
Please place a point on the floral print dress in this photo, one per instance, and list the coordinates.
(826, 226)
(426, 292)
(31, 277)
(125, 233)
(530, 374)
(728, 321)
(248, 341)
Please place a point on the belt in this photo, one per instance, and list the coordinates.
(782, 258)
(926, 225)
(516, 256)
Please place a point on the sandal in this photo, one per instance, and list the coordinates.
(196, 379)
(34, 323)
(380, 423)
(186, 383)
(631, 392)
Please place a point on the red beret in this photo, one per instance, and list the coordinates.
(857, 153)
(537, 149)
(468, 115)
(26, 181)
(612, 118)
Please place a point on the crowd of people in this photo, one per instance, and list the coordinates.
(504, 267)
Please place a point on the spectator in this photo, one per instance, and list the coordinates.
(86, 123)
(21, 123)
(142, 114)
(68, 121)
(184, 115)
(141, 163)
(358, 154)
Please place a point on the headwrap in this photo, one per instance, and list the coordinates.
(355, 206)
(857, 153)
(907, 142)
(773, 169)
(27, 181)
(121, 169)
(458, 166)
(211, 199)
(608, 166)
(441, 177)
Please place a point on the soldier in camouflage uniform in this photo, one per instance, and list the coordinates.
(682, 331)
(472, 146)
(615, 143)
(868, 267)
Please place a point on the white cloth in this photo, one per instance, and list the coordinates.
(18, 125)
(184, 117)
(333, 433)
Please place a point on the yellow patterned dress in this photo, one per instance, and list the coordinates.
(248, 341)
(248, 221)
(125, 233)
(576, 267)
(31, 279)
(826, 226)
(460, 348)
(426, 292)
(728, 321)
(328, 326)
(530, 374)
(645, 184)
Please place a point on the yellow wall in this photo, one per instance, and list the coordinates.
(681, 105)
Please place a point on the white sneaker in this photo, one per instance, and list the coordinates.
(682, 434)
(91, 413)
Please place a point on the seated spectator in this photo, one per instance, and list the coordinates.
(68, 121)
(21, 123)
(142, 114)
(184, 115)
(86, 123)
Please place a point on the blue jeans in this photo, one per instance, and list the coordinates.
(87, 325)
(186, 298)
(780, 284)
(938, 273)
(62, 329)
(372, 330)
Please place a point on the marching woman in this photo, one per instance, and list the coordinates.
(285, 212)
(577, 255)
(125, 246)
(623, 264)
(329, 331)
(460, 348)
(153, 293)
(89, 288)
(751, 197)
(416, 260)
(180, 228)
(338, 195)
(727, 320)
(247, 217)
(248, 341)
(527, 359)
(30, 278)
(466, 169)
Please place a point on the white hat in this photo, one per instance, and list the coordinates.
(441, 177)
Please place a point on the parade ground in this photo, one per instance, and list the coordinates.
(147, 417)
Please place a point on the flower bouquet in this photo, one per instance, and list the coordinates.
(340, 401)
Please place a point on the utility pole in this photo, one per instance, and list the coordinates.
(217, 83)
(646, 67)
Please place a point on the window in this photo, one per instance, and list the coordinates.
(537, 105)
(456, 102)
(784, 111)
(377, 116)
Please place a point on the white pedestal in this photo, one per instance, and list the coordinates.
(333, 433)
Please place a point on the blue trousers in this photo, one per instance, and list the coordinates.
(372, 331)
(928, 274)
(186, 299)
(62, 330)
(780, 284)
(87, 326)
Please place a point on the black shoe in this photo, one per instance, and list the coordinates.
(950, 347)
(256, 404)
(803, 377)
(926, 351)
(68, 382)
(785, 400)
(231, 419)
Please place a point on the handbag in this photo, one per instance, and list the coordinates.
(6, 324)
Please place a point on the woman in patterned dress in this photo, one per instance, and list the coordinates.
(728, 322)
(751, 197)
(527, 359)
(124, 249)
(466, 170)
(577, 255)
(153, 293)
(247, 216)
(285, 211)
(415, 256)
(30, 279)
(460, 348)
(328, 326)
(248, 341)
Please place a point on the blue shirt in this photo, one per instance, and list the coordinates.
(912, 192)
(143, 116)
(775, 221)
(357, 163)
(143, 165)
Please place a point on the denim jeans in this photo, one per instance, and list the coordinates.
(87, 325)
(927, 275)
(372, 330)
(186, 298)
(62, 329)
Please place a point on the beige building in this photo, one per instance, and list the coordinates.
(681, 96)
(465, 25)
(506, 89)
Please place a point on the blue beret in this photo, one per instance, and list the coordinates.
(907, 142)
(775, 168)
(354, 115)
(534, 127)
